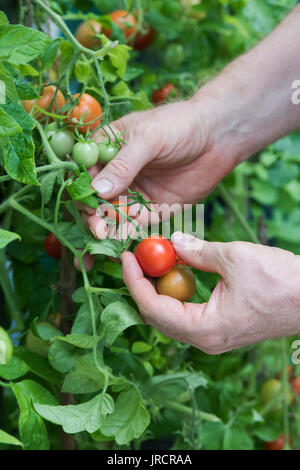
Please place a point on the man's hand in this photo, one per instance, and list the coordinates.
(257, 298)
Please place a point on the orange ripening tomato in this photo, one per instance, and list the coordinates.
(85, 33)
(179, 283)
(278, 444)
(45, 100)
(162, 94)
(155, 255)
(144, 40)
(90, 109)
(125, 20)
(114, 215)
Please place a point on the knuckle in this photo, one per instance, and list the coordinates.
(120, 168)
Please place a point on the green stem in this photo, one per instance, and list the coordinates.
(188, 411)
(242, 220)
(51, 155)
(64, 28)
(105, 290)
(8, 292)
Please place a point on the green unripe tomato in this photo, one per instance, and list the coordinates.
(174, 56)
(35, 344)
(62, 142)
(272, 389)
(6, 347)
(86, 153)
(107, 151)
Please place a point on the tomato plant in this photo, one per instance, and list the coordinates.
(88, 111)
(94, 375)
(178, 283)
(52, 246)
(155, 255)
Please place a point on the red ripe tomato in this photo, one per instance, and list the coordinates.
(144, 40)
(45, 100)
(112, 214)
(295, 384)
(52, 246)
(85, 33)
(126, 21)
(90, 109)
(160, 95)
(278, 444)
(155, 255)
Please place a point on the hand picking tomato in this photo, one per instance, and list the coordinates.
(156, 255)
(85, 33)
(295, 384)
(114, 215)
(179, 283)
(125, 20)
(162, 94)
(86, 153)
(52, 246)
(278, 444)
(108, 151)
(61, 141)
(88, 108)
(6, 347)
(45, 100)
(144, 40)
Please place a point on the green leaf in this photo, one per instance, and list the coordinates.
(121, 89)
(83, 71)
(237, 438)
(62, 356)
(80, 190)
(18, 152)
(119, 57)
(116, 318)
(111, 269)
(263, 192)
(7, 78)
(8, 126)
(129, 420)
(20, 45)
(172, 385)
(108, 247)
(80, 341)
(6, 438)
(140, 347)
(14, 369)
(75, 418)
(211, 435)
(86, 378)
(32, 429)
(3, 18)
(26, 91)
(47, 186)
(38, 365)
(47, 331)
(7, 237)
(49, 54)
(283, 173)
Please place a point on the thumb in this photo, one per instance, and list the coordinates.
(200, 254)
(119, 173)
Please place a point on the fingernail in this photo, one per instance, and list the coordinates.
(103, 186)
(180, 238)
(187, 241)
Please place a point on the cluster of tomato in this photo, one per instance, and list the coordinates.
(157, 258)
(86, 116)
(87, 32)
(271, 390)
